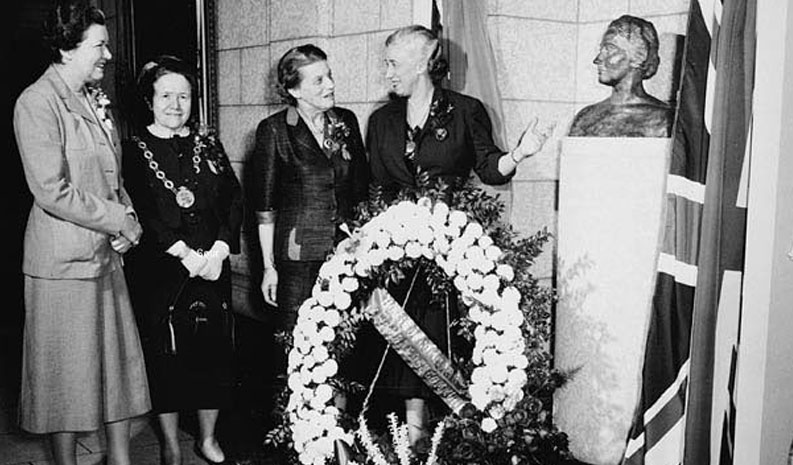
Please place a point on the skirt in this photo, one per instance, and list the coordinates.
(296, 279)
(82, 363)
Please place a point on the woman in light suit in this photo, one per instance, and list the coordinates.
(82, 360)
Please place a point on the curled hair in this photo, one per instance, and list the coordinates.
(66, 24)
(437, 66)
(289, 68)
(642, 34)
(154, 70)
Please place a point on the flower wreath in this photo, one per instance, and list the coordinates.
(461, 249)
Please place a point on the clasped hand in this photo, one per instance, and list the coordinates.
(129, 236)
(209, 265)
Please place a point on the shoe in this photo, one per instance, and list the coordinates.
(200, 454)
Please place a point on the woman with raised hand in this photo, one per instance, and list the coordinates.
(446, 135)
(83, 367)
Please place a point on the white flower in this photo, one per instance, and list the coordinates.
(457, 219)
(342, 300)
(491, 283)
(498, 373)
(460, 284)
(489, 425)
(294, 381)
(349, 284)
(425, 235)
(327, 334)
(424, 202)
(330, 367)
(440, 210)
(516, 378)
(332, 317)
(493, 253)
(376, 257)
(317, 376)
(475, 281)
(441, 245)
(505, 272)
(413, 249)
(325, 298)
(395, 253)
(474, 230)
(399, 236)
(320, 353)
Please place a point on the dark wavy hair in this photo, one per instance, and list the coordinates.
(66, 24)
(437, 66)
(642, 34)
(289, 68)
(154, 70)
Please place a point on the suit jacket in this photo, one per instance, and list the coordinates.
(456, 138)
(71, 162)
(309, 190)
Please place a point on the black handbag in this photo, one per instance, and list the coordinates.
(198, 315)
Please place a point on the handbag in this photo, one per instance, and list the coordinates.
(198, 317)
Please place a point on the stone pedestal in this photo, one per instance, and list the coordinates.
(611, 197)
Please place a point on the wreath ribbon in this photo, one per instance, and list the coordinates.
(417, 349)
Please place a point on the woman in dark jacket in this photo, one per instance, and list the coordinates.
(426, 128)
(189, 203)
(310, 172)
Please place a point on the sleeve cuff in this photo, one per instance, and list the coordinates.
(265, 217)
(222, 249)
(179, 249)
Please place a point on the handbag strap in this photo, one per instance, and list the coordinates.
(171, 348)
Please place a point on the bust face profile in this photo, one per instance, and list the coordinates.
(627, 56)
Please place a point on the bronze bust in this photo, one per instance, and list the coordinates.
(628, 55)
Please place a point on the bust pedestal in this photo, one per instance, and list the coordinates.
(611, 198)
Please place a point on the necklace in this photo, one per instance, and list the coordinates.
(184, 196)
(317, 131)
(416, 118)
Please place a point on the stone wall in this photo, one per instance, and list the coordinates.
(252, 36)
(544, 51)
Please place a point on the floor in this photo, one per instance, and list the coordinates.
(240, 430)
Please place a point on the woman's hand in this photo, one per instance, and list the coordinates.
(270, 285)
(131, 229)
(120, 244)
(532, 140)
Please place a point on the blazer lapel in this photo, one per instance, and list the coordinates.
(74, 105)
(397, 119)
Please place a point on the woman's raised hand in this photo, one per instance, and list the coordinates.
(532, 140)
